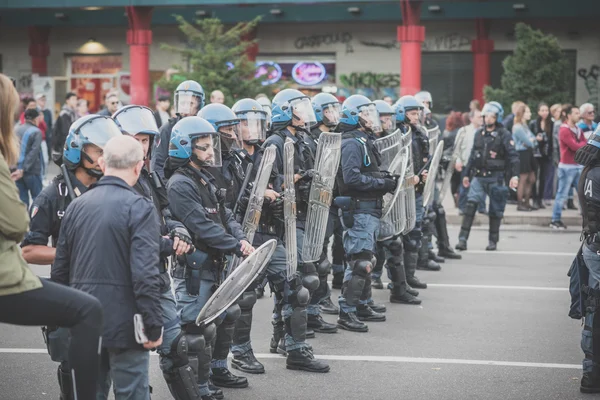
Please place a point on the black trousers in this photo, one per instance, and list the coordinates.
(58, 305)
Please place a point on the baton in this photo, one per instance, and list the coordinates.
(243, 188)
(68, 182)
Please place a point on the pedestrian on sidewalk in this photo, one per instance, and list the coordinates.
(526, 144)
(30, 164)
(543, 125)
(571, 139)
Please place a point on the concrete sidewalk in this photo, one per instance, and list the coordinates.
(540, 218)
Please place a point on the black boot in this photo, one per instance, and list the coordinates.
(215, 392)
(494, 234)
(435, 257)
(248, 363)
(491, 246)
(278, 335)
(410, 266)
(366, 313)
(412, 291)
(379, 308)
(377, 284)
(303, 360)
(65, 382)
(441, 227)
(571, 205)
(465, 228)
(448, 252)
(327, 307)
(405, 298)
(222, 377)
(318, 324)
(424, 262)
(590, 382)
(338, 280)
(350, 322)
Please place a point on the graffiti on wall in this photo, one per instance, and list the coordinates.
(370, 84)
(327, 39)
(449, 42)
(590, 77)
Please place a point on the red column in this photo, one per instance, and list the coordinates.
(252, 51)
(139, 38)
(482, 48)
(411, 36)
(39, 49)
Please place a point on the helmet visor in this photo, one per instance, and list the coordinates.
(187, 103)
(368, 118)
(253, 126)
(134, 120)
(207, 149)
(98, 131)
(230, 135)
(303, 114)
(388, 123)
(331, 114)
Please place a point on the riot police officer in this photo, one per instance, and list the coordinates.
(493, 161)
(198, 203)
(327, 112)
(585, 272)
(361, 187)
(83, 146)
(139, 122)
(188, 100)
(289, 336)
(293, 115)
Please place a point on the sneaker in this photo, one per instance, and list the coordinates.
(558, 225)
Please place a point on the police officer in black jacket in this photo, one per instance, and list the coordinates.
(189, 99)
(119, 267)
(197, 202)
(82, 148)
(493, 162)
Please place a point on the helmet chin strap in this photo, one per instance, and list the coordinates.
(94, 173)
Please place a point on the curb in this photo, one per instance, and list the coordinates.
(532, 220)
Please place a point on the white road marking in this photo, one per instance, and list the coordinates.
(551, 289)
(522, 253)
(389, 359)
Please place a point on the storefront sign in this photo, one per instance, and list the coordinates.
(308, 73)
(271, 71)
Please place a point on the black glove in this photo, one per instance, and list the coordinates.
(303, 192)
(183, 235)
(276, 208)
(306, 175)
(389, 184)
(243, 205)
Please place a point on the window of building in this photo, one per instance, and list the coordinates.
(449, 78)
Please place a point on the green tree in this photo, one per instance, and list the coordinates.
(215, 57)
(537, 71)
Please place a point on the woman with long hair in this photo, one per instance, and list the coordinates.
(26, 299)
(525, 144)
(542, 127)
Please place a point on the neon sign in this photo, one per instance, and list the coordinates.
(308, 73)
(270, 70)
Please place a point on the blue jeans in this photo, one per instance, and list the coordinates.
(127, 369)
(171, 325)
(493, 187)
(463, 194)
(361, 237)
(29, 184)
(592, 261)
(567, 177)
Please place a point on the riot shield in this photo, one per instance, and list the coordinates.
(389, 147)
(460, 137)
(255, 202)
(428, 190)
(289, 208)
(434, 135)
(409, 188)
(327, 162)
(393, 220)
(236, 283)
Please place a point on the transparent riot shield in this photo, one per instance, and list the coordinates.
(428, 190)
(289, 208)
(445, 187)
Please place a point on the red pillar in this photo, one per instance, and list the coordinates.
(39, 49)
(252, 51)
(139, 38)
(482, 48)
(411, 36)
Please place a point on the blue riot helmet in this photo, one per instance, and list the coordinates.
(133, 120)
(226, 123)
(195, 139)
(387, 116)
(425, 98)
(410, 103)
(253, 121)
(494, 108)
(264, 101)
(189, 98)
(327, 109)
(590, 153)
(88, 135)
(359, 112)
(292, 108)
(399, 110)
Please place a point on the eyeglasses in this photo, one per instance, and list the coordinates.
(114, 103)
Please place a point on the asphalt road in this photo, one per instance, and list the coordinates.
(492, 326)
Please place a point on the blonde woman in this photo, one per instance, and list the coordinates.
(26, 299)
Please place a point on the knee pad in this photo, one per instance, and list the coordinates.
(440, 211)
(310, 279)
(362, 268)
(395, 247)
(471, 208)
(324, 267)
(300, 298)
(247, 300)
(232, 314)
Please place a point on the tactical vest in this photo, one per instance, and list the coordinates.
(230, 177)
(590, 209)
(145, 187)
(369, 166)
(420, 148)
(215, 209)
(484, 143)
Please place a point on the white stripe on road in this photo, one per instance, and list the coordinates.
(522, 253)
(389, 359)
(450, 285)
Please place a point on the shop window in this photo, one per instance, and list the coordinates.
(449, 78)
